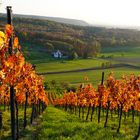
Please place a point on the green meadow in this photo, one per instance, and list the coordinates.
(60, 125)
(123, 54)
(65, 65)
(93, 76)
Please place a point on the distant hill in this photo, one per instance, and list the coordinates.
(41, 35)
(68, 21)
(56, 19)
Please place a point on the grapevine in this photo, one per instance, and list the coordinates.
(19, 77)
(122, 96)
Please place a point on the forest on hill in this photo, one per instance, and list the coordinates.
(85, 41)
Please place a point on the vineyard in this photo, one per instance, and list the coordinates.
(114, 105)
(120, 98)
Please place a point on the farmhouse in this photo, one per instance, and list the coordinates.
(57, 54)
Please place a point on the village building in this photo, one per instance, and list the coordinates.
(57, 54)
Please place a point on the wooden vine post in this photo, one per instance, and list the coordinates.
(99, 111)
(12, 96)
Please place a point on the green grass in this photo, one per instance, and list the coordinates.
(127, 51)
(94, 76)
(124, 54)
(45, 63)
(60, 125)
(6, 127)
(64, 65)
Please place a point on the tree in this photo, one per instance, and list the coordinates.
(79, 47)
(49, 47)
(113, 41)
(73, 55)
(92, 49)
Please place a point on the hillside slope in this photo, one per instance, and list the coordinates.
(40, 36)
(56, 19)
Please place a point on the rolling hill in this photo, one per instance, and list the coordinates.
(56, 19)
(41, 36)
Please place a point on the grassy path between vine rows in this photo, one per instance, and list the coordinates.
(57, 124)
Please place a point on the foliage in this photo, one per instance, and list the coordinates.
(117, 95)
(73, 56)
(15, 71)
(19, 83)
(41, 32)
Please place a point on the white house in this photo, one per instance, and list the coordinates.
(57, 54)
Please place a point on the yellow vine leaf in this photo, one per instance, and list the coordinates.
(8, 30)
(2, 39)
(15, 45)
(2, 35)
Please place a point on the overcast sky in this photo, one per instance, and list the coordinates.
(108, 12)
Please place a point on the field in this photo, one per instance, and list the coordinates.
(58, 124)
(122, 51)
(94, 76)
(63, 65)
(129, 55)
(126, 55)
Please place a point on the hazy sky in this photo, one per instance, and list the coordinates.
(110, 12)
